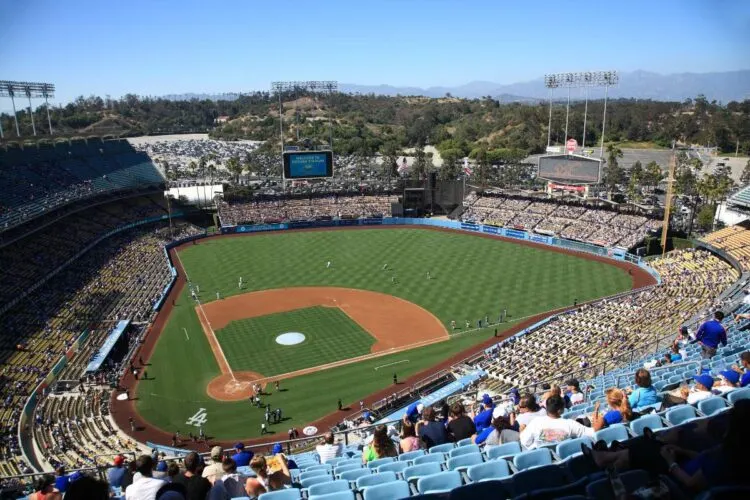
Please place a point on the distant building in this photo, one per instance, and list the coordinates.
(221, 119)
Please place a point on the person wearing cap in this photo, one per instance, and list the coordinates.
(515, 396)
(327, 450)
(144, 486)
(216, 469)
(728, 382)
(504, 429)
(710, 334)
(242, 457)
(744, 371)
(196, 485)
(575, 395)
(700, 391)
(161, 470)
(116, 473)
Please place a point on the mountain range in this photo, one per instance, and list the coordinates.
(720, 86)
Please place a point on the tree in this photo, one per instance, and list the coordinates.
(483, 164)
(706, 217)
(390, 161)
(653, 174)
(450, 169)
(613, 174)
(419, 169)
(634, 183)
(745, 177)
(234, 167)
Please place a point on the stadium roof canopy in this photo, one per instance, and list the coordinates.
(741, 199)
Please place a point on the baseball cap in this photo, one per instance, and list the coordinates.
(239, 446)
(119, 460)
(732, 376)
(705, 380)
(216, 451)
(277, 448)
(75, 476)
(161, 466)
(499, 411)
(420, 407)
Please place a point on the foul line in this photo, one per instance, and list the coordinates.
(212, 340)
(391, 364)
(186, 334)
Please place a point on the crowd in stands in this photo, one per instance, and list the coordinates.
(576, 222)
(39, 177)
(735, 241)
(299, 209)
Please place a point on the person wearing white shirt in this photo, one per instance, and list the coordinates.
(700, 391)
(551, 428)
(144, 486)
(328, 450)
(528, 410)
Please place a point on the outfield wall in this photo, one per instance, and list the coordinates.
(614, 253)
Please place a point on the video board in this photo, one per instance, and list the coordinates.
(570, 169)
(308, 164)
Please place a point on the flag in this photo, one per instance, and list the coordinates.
(403, 167)
(467, 169)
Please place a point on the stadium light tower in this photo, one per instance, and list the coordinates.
(585, 80)
(29, 89)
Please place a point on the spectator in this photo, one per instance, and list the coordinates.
(551, 428)
(460, 426)
(675, 355)
(216, 469)
(432, 433)
(619, 410)
(144, 486)
(483, 419)
(87, 488)
(413, 411)
(267, 480)
(381, 445)
(700, 390)
(728, 381)
(504, 429)
(233, 483)
(173, 471)
(116, 473)
(61, 480)
(409, 440)
(575, 395)
(44, 489)
(328, 450)
(161, 470)
(242, 457)
(645, 394)
(710, 334)
(744, 371)
(196, 485)
(528, 410)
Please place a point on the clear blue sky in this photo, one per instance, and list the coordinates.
(153, 47)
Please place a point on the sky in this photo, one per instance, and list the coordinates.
(155, 47)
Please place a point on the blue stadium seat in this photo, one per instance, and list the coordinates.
(310, 481)
(410, 456)
(571, 447)
(507, 449)
(651, 421)
(312, 473)
(463, 450)
(632, 480)
(494, 469)
(463, 462)
(326, 488)
(532, 458)
(435, 458)
(441, 448)
(397, 467)
(712, 406)
(616, 432)
(465, 442)
(374, 464)
(326, 467)
(350, 461)
(680, 414)
(343, 468)
(354, 475)
(547, 476)
(417, 471)
(339, 495)
(288, 494)
(387, 491)
(442, 482)
(739, 394)
(373, 479)
(335, 460)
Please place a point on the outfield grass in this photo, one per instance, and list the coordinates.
(330, 335)
(472, 277)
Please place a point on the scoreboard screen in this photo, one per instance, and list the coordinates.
(570, 169)
(308, 164)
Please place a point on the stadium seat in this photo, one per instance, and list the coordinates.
(493, 489)
(652, 422)
(463, 462)
(616, 432)
(532, 458)
(680, 414)
(410, 456)
(571, 447)
(373, 479)
(397, 467)
(503, 450)
(310, 481)
(339, 495)
(712, 406)
(326, 488)
(441, 482)
(631, 480)
(335, 460)
(287, 494)
(374, 464)
(357, 461)
(417, 471)
(547, 476)
(494, 469)
(463, 450)
(435, 458)
(354, 475)
(325, 467)
(739, 394)
(465, 442)
(343, 468)
(312, 473)
(441, 448)
(387, 491)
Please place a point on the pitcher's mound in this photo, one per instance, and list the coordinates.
(228, 388)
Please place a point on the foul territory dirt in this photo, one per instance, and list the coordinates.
(396, 325)
(122, 411)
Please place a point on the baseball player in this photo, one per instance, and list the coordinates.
(393, 280)
(328, 264)
(197, 289)
(385, 266)
(429, 277)
(453, 324)
(239, 285)
(218, 296)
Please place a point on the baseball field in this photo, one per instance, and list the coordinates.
(334, 315)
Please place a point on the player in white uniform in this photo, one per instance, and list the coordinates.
(328, 265)
(218, 297)
(385, 266)
(239, 285)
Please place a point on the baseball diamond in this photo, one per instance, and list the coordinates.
(373, 304)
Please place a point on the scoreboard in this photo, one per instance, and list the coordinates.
(570, 169)
(308, 164)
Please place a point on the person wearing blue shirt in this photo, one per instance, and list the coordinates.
(744, 371)
(710, 334)
(483, 419)
(618, 412)
(645, 394)
(116, 473)
(242, 458)
(413, 411)
(61, 479)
